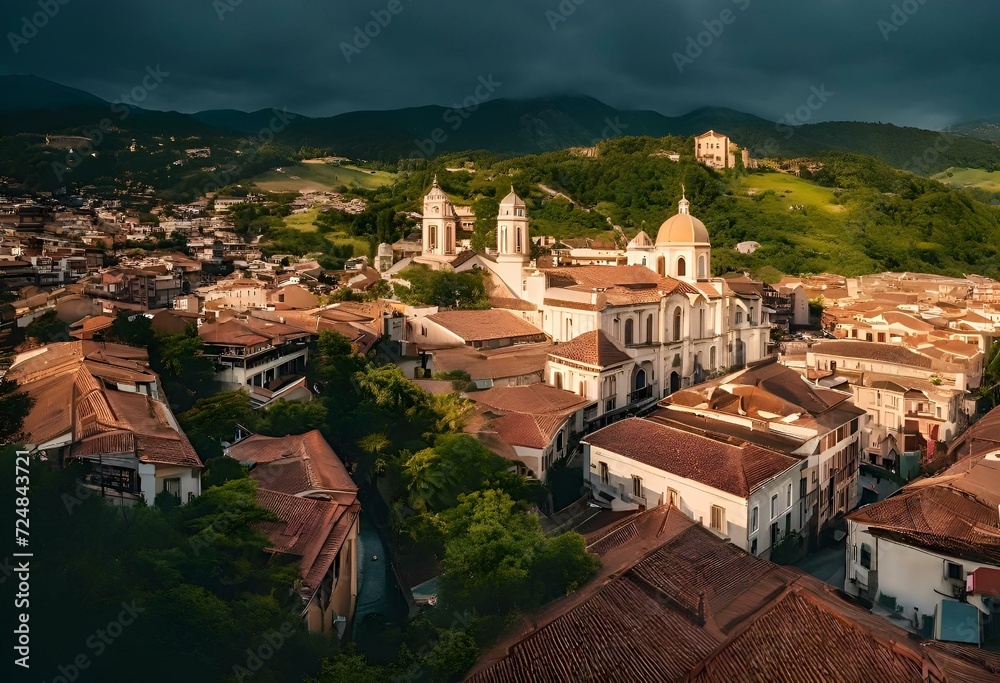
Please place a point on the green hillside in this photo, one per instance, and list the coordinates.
(318, 176)
(856, 215)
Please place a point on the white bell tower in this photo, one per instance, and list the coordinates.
(513, 241)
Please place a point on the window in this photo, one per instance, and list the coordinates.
(774, 506)
(681, 267)
(718, 518)
(637, 487)
(739, 317)
(674, 498)
(557, 380)
(173, 486)
(629, 332)
(878, 398)
(754, 519)
(788, 496)
(881, 337)
(753, 547)
(559, 442)
(517, 240)
(702, 271)
(677, 324)
(939, 412)
(866, 556)
(649, 329)
(604, 473)
(953, 572)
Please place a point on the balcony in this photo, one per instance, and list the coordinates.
(641, 394)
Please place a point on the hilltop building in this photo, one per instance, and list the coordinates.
(717, 151)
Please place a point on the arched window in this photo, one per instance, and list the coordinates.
(569, 329)
(614, 386)
(432, 239)
(559, 442)
(517, 241)
(616, 328)
(640, 380)
(711, 358)
(681, 267)
(643, 260)
(661, 266)
(677, 324)
(583, 390)
(702, 270)
(629, 332)
(649, 329)
(558, 380)
(701, 323)
(503, 239)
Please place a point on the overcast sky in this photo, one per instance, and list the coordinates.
(939, 66)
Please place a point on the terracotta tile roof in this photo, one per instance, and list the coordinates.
(723, 614)
(473, 326)
(512, 304)
(313, 530)
(906, 320)
(515, 361)
(954, 513)
(69, 398)
(621, 285)
(528, 416)
(592, 348)
(533, 399)
(735, 469)
(886, 353)
(294, 464)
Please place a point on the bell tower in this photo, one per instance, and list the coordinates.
(513, 241)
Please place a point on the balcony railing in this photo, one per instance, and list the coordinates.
(641, 394)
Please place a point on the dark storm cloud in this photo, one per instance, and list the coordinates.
(928, 63)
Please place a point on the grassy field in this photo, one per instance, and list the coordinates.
(970, 177)
(790, 191)
(318, 176)
(306, 222)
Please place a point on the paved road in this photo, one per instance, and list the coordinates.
(827, 565)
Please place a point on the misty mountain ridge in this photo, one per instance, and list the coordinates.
(502, 125)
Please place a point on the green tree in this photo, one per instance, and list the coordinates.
(15, 405)
(292, 417)
(484, 230)
(48, 329)
(132, 330)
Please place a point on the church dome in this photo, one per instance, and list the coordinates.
(682, 228)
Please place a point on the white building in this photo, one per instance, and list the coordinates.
(745, 493)
(931, 552)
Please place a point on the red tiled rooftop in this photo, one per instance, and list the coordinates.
(735, 469)
(592, 348)
(886, 353)
(474, 326)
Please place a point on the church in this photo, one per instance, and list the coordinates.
(625, 335)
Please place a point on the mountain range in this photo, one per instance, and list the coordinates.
(507, 126)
